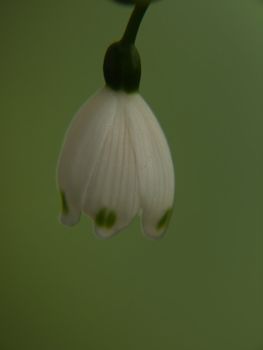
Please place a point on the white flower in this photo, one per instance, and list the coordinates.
(114, 164)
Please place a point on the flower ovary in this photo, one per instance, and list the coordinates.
(122, 67)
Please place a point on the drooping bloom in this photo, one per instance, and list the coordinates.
(115, 162)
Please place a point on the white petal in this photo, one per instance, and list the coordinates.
(154, 166)
(82, 147)
(111, 196)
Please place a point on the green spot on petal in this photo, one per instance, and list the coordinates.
(111, 219)
(65, 208)
(105, 218)
(101, 217)
(163, 222)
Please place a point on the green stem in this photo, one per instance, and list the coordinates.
(133, 25)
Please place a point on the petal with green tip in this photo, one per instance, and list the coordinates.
(154, 167)
(114, 183)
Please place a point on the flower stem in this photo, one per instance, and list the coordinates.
(133, 25)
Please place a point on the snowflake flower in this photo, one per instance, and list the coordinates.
(115, 162)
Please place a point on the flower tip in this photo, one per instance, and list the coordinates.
(68, 217)
(157, 230)
(104, 233)
(105, 223)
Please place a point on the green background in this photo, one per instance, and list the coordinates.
(201, 286)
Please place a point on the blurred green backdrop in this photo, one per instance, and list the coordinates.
(199, 288)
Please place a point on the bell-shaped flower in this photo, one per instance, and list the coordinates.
(115, 163)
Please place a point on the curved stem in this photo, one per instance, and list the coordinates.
(133, 25)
